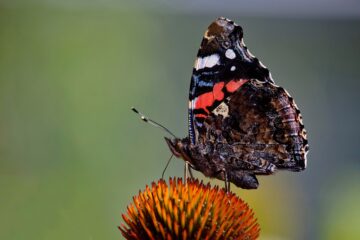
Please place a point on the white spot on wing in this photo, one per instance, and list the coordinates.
(230, 54)
(208, 61)
(232, 68)
(222, 109)
(212, 60)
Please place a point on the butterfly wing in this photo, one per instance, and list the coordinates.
(235, 104)
(222, 57)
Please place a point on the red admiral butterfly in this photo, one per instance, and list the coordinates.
(240, 123)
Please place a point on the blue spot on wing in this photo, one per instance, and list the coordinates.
(197, 85)
(205, 84)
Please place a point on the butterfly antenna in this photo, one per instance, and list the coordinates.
(152, 122)
(167, 164)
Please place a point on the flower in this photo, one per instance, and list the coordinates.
(189, 210)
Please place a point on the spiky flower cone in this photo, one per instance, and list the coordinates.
(188, 211)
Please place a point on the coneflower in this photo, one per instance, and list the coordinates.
(188, 211)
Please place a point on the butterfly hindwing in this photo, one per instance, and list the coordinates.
(258, 125)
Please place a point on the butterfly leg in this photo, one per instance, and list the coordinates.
(190, 172)
(187, 171)
(227, 182)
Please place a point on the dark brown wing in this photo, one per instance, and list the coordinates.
(258, 127)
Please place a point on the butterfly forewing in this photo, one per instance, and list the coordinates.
(222, 57)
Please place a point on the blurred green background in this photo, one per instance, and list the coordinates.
(72, 154)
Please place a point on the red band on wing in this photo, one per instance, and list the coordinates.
(208, 99)
(234, 85)
(200, 115)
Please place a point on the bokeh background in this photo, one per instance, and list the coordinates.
(72, 154)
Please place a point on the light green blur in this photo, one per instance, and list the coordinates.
(72, 154)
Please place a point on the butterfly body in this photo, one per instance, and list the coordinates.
(240, 123)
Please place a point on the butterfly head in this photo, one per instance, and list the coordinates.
(179, 147)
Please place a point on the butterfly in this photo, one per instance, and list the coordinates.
(240, 123)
